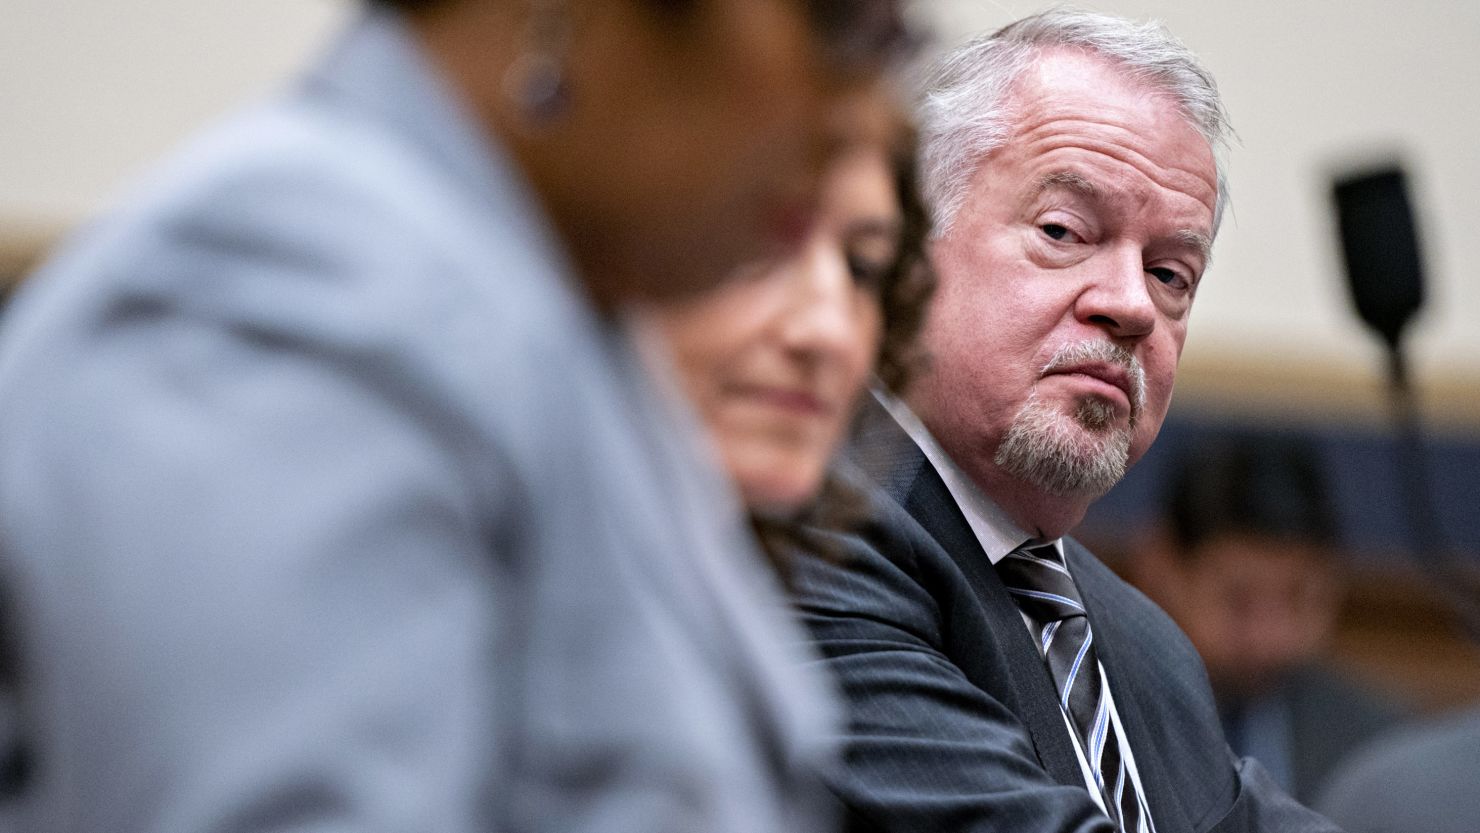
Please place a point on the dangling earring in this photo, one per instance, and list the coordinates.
(535, 82)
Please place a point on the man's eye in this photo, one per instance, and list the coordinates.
(1167, 276)
(1056, 231)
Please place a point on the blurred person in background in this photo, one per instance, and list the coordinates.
(333, 491)
(1247, 565)
(776, 359)
(1417, 779)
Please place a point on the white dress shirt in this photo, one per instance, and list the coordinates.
(998, 536)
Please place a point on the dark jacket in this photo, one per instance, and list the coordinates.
(954, 721)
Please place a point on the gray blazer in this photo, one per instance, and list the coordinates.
(329, 503)
(954, 720)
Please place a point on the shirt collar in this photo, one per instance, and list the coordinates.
(996, 533)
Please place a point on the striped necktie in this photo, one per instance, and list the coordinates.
(1040, 583)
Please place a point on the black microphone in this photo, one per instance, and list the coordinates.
(1380, 245)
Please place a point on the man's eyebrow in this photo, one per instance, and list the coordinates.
(1073, 182)
(1066, 180)
(1199, 241)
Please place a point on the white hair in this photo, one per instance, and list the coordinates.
(964, 115)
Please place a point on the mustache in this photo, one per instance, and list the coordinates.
(1086, 352)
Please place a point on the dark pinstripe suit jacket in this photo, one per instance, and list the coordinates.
(954, 722)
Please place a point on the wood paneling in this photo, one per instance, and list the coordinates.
(1396, 634)
(1320, 394)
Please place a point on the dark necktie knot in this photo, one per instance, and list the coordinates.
(1040, 583)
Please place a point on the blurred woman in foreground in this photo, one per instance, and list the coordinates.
(335, 495)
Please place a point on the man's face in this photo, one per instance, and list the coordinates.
(1068, 273)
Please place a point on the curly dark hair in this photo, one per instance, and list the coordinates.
(905, 292)
(904, 296)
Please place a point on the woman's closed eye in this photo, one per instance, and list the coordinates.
(868, 272)
(870, 256)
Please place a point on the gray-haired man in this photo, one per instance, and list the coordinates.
(1000, 677)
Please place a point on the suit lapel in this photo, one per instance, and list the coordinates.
(893, 460)
(1037, 701)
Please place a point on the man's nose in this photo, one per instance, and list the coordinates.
(1118, 296)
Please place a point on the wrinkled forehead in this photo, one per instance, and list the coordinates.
(1071, 87)
(1081, 79)
(1070, 104)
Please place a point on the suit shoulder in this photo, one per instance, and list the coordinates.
(877, 565)
(302, 221)
(881, 526)
(293, 239)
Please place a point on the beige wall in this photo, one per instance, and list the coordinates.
(90, 90)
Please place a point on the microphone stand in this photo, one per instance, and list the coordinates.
(1455, 584)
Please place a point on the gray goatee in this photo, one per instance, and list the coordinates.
(1080, 454)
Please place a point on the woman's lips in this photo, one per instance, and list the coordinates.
(798, 401)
